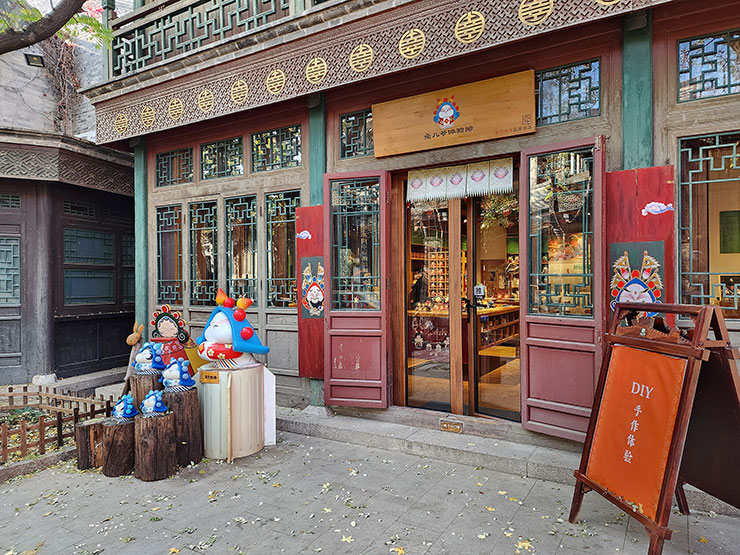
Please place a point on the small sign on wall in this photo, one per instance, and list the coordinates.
(312, 287)
(636, 272)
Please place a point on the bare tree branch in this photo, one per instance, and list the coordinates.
(31, 33)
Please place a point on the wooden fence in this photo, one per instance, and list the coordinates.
(62, 408)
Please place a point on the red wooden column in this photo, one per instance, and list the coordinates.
(310, 254)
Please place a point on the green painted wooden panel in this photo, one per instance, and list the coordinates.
(637, 97)
(317, 151)
(140, 233)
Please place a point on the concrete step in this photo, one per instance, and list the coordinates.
(541, 462)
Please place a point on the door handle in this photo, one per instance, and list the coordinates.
(468, 307)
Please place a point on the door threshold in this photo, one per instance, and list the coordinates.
(483, 425)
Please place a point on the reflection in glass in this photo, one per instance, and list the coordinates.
(561, 233)
(428, 341)
(203, 247)
(281, 264)
(222, 159)
(355, 234)
(710, 221)
(241, 242)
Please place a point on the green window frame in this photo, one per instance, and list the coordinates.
(169, 227)
(569, 92)
(241, 247)
(709, 66)
(276, 149)
(203, 252)
(281, 252)
(10, 202)
(10, 270)
(356, 134)
(222, 158)
(174, 167)
(355, 244)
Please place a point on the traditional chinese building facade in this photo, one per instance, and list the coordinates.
(432, 207)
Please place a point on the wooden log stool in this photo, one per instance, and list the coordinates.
(89, 441)
(156, 455)
(188, 431)
(141, 385)
(118, 447)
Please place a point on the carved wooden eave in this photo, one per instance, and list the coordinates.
(300, 56)
(30, 155)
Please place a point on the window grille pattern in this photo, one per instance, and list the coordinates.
(11, 202)
(83, 246)
(709, 205)
(561, 233)
(129, 286)
(355, 236)
(183, 28)
(568, 92)
(275, 149)
(281, 262)
(117, 215)
(222, 159)
(10, 271)
(356, 134)
(203, 253)
(89, 286)
(241, 247)
(127, 249)
(79, 208)
(169, 254)
(174, 167)
(709, 66)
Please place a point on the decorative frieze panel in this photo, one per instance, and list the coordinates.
(47, 164)
(418, 34)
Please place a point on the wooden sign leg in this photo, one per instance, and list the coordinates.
(683, 504)
(656, 543)
(575, 506)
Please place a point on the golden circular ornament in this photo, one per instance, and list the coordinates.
(316, 70)
(239, 91)
(412, 43)
(205, 100)
(174, 109)
(608, 2)
(121, 123)
(470, 27)
(275, 81)
(534, 12)
(361, 57)
(147, 116)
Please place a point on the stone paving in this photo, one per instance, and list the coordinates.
(308, 495)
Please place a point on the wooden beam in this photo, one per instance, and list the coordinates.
(455, 306)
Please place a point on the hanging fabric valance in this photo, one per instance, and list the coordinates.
(492, 177)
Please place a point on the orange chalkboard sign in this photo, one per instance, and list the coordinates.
(658, 391)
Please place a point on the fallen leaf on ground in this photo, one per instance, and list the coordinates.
(174, 550)
(490, 509)
(483, 536)
(347, 539)
(399, 550)
(502, 493)
(703, 540)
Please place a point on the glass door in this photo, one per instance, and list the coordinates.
(428, 369)
(494, 302)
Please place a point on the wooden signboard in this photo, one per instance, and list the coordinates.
(666, 413)
(490, 109)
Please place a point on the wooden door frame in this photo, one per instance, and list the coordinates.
(383, 331)
(599, 264)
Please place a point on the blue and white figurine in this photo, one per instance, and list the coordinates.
(124, 411)
(149, 360)
(152, 405)
(176, 377)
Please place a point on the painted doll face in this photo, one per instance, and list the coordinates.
(167, 327)
(219, 331)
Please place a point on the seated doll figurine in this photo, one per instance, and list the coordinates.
(149, 360)
(176, 377)
(152, 405)
(124, 411)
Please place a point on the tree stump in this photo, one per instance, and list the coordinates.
(156, 455)
(141, 385)
(188, 431)
(89, 441)
(118, 448)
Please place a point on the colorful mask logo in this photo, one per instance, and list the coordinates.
(636, 286)
(312, 290)
(446, 113)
